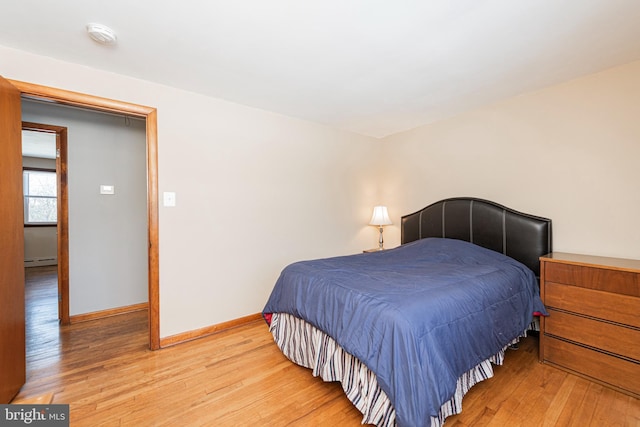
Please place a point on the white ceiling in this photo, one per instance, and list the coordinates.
(369, 66)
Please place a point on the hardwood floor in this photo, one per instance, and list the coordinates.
(104, 370)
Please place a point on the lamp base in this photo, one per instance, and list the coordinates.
(380, 241)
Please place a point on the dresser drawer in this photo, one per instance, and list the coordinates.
(617, 308)
(614, 338)
(613, 371)
(621, 282)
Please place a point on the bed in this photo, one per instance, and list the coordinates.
(408, 331)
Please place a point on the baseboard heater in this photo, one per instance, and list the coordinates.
(39, 262)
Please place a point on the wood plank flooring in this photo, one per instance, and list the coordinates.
(104, 370)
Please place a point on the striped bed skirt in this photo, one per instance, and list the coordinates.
(307, 346)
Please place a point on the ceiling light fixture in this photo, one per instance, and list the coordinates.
(101, 34)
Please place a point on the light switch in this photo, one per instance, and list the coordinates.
(169, 199)
(107, 189)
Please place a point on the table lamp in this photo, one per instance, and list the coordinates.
(380, 218)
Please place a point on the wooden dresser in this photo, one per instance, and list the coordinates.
(593, 328)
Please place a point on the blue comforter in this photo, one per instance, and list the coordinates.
(419, 316)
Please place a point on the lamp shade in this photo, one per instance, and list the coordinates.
(380, 216)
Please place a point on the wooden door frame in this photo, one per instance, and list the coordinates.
(62, 236)
(60, 96)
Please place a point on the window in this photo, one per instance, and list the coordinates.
(40, 197)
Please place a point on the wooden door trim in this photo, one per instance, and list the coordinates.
(77, 99)
(63, 214)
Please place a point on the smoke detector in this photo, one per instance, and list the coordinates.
(101, 34)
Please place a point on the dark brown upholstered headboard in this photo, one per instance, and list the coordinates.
(521, 236)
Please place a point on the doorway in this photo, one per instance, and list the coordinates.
(36, 147)
(107, 247)
(31, 91)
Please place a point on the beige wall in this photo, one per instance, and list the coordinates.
(255, 191)
(569, 152)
